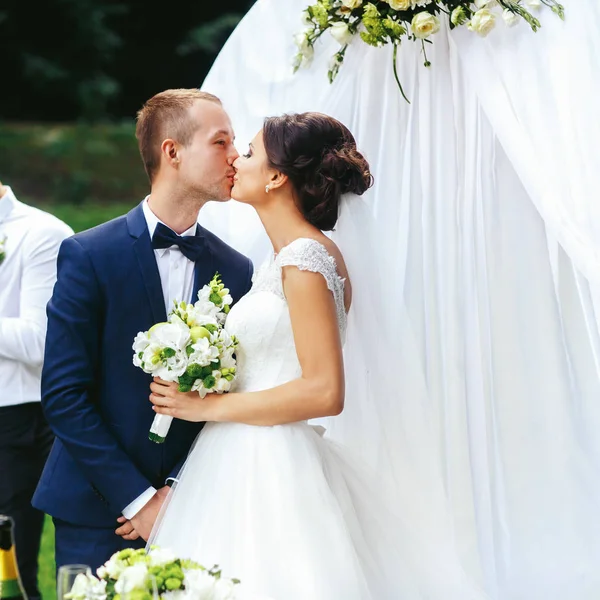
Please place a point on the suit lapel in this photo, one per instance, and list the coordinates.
(204, 268)
(144, 252)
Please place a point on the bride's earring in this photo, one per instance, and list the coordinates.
(267, 189)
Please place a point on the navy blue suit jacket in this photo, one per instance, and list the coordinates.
(96, 401)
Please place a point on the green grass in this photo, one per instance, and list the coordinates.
(47, 567)
(79, 217)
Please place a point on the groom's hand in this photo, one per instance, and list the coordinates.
(141, 524)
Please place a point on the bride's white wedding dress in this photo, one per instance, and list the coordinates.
(289, 512)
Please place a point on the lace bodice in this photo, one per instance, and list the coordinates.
(267, 355)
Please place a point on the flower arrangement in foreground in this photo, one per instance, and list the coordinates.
(381, 22)
(191, 348)
(158, 574)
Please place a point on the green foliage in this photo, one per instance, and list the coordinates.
(209, 37)
(72, 163)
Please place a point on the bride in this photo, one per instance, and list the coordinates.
(263, 493)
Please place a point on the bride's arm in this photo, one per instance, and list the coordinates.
(319, 392)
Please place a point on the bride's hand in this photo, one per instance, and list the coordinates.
(187, 406)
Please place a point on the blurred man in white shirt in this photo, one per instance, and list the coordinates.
(29, 243)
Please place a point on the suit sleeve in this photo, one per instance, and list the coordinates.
(71, 364)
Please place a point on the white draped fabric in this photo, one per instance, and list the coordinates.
(488, 249)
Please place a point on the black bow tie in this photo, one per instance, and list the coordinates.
(191, 246)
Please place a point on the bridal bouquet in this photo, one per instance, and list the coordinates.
(159, 574)
(381, 22)
(191, 348)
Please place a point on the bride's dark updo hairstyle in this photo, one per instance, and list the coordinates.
(319, 156)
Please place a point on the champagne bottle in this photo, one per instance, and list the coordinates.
(11, 587)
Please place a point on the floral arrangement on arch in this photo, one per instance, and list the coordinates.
(381, 22)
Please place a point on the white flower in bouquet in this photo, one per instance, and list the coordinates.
(485, 3)
(510, 18)
(305, 51)
(424, 24)
(400, 4)
(459, 16)
(352, 4)
(534, 3)
(421, 3)
(224, 589)
(199, 584)
(341, 33)
(132, 578)
(483, 22)
(203, 352)
(87, 587)
(159, 557)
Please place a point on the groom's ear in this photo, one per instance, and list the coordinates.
(170, 150)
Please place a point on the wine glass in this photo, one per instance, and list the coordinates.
(66, 577)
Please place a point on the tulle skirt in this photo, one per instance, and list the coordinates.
(295, 517)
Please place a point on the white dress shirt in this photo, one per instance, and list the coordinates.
(177, 280)
(32, 238)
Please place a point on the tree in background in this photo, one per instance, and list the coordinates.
(98, 59)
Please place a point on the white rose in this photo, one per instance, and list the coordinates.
(352, 3)
(224, 590)
(340, 33)
(510, 18)
(400, 4)
(425, 24)
(132, 578)
(483, 22)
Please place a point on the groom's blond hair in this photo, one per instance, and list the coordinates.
(166, 115)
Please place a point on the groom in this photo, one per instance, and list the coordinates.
(104, 481)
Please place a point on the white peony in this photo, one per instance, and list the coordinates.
(132, 578)
(510, 18)
(352, 3)
(483, 22)
(425, 24)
